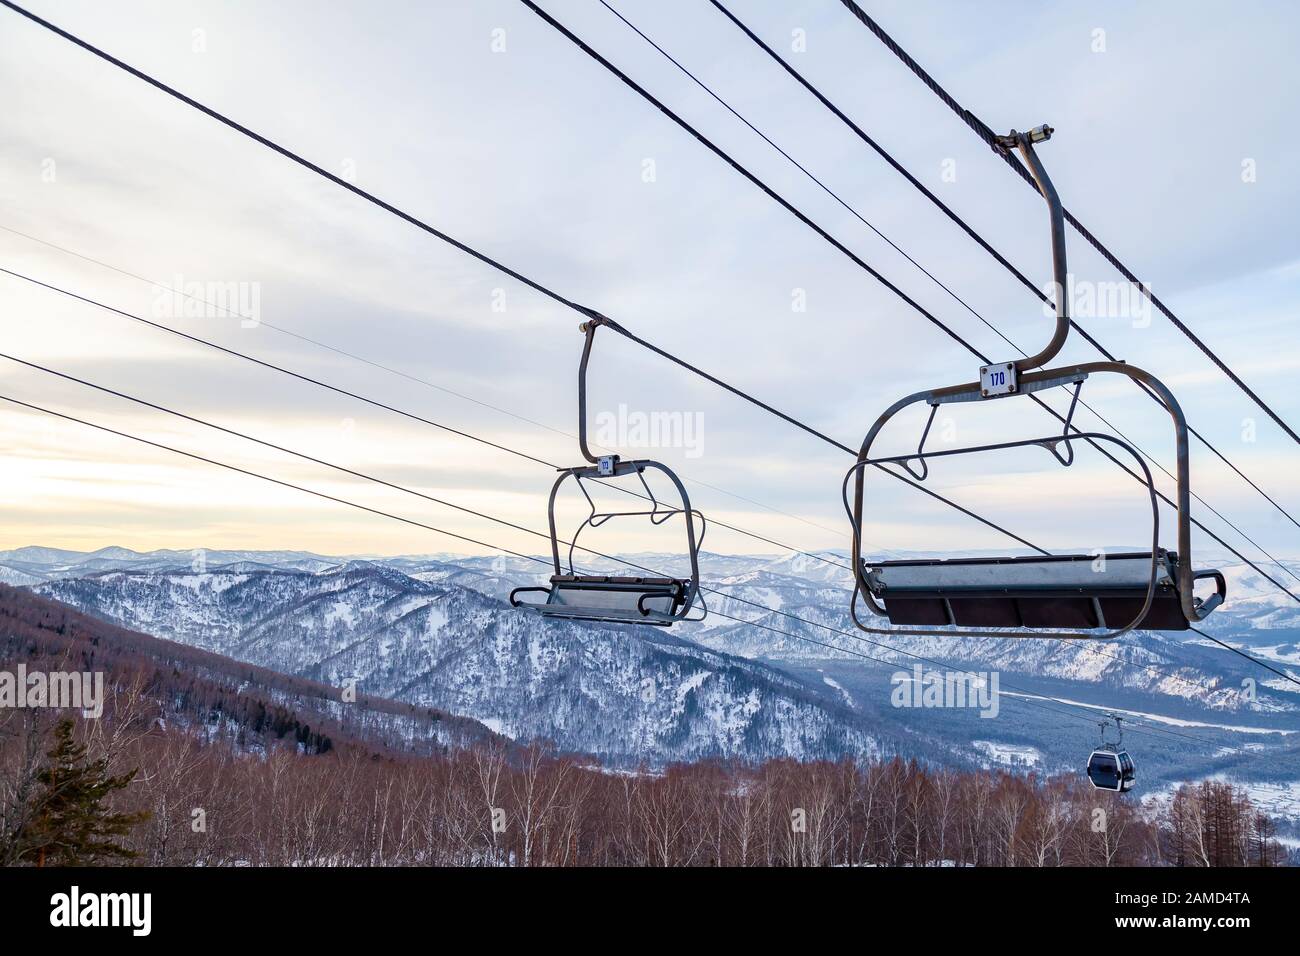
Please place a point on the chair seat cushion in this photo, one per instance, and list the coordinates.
(1037, 592)
(619, 598)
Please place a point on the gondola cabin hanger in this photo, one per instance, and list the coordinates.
(1070, 595)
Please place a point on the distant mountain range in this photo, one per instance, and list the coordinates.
(434, 631)
(623, 695)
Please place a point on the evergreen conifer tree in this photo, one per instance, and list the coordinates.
(72, 825)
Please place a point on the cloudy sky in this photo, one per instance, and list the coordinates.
(1174, 144)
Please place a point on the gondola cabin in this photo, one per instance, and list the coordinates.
(1111, 769)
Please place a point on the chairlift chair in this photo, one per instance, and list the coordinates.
(1109, 766)
(615, 599)
(1094, 595)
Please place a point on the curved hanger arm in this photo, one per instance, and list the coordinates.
(1024, 142)
(588, 329)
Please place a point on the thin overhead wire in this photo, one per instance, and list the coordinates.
(1239, 652)
(426, 421)
(357, 396)
(427, 383)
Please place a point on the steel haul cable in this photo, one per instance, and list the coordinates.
(966, 227)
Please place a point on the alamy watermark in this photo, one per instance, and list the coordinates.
(133, 911)
(57, 690)
(209, 300)
(922, 688)
(1103, 300)
(628, 429)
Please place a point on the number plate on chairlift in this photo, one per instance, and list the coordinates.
(997, 379)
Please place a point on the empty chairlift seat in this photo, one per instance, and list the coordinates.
(620, 600)
(1035, 592)
(1049, 596)
(608, 599)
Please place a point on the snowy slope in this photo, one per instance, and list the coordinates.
(621, 694)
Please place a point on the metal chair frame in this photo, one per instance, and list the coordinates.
(599, 468)
(1016, 379)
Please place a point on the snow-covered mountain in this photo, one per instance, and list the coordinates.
(33, 565)
(434, 630)
(623, 695)
(808, 597)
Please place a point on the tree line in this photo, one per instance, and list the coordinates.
(166, 795)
